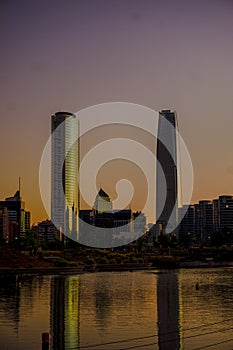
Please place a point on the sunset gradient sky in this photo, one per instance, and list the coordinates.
(68, 55)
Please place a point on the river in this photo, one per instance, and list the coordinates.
(156, 309)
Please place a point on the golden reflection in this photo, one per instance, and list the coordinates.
(65, 312)
(180, 311)
(72, 312)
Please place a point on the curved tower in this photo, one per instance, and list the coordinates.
(64, 172)
(166, 173)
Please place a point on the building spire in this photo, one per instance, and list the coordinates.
(19, 185)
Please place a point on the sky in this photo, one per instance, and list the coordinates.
(68, 55)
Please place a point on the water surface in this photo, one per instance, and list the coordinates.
(126, 310)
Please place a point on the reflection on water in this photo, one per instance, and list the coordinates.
(168, 300)
(23, 312)
(57, 313)
(64, 312)
(117, 306)
(103, 302)
(158, 310)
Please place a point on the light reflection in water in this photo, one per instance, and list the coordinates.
(65, 312)
(162, 309)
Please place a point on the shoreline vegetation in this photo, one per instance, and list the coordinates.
(83, 260)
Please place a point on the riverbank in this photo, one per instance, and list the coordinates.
(75, 270)
(14, 259)
(106, 268)
(87, 260)
(203, 264)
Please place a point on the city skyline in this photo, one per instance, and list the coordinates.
(60, 140)
(161, 55)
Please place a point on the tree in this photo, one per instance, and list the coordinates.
(173, 240)
(217, 238)
(228, 235)
(140, 243)
(164, 240)
(31, 242)
(186, 239)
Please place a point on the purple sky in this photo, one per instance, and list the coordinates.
(67, 55)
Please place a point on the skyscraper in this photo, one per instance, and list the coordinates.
(203, 220)
(166, 174)
(14, 207)
(18, 217)
(102, 202)
(103, 215)
(64, 172)
(223, 212)
(4, 225)
(186, 220)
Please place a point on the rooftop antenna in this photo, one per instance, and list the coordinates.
(19, 188)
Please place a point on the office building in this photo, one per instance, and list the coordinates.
(123, 221)
(102, 210)
(216, 216)
(187, 222)
(64, 173)
(102, 202)
(139, 222)
(18, 217)
(25, 223)
(166, 173)
(14, 206)
(204, 220)
(4, 225)
(103, 216)
(47, 232)
(223, 213)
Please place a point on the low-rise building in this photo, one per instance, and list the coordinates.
(47, 232)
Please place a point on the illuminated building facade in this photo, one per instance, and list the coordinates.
(25, 223)
(102, 202)
(64, 172)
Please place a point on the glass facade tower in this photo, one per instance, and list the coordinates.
(166, 174)
(64, 172)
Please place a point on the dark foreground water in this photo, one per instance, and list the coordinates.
(128, 310)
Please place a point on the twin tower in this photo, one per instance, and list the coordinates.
(65, 199)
